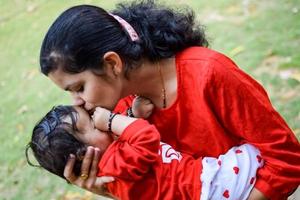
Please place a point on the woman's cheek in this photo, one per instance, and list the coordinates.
(97, 99)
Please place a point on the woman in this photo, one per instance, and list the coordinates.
(199, 94)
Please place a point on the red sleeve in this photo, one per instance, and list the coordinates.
(131, 156)
(244, 109)
(124, 104)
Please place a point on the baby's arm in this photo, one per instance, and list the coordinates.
(135, 150)
(141, 108)
(103, 119)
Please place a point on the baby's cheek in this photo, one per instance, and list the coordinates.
(106, 140)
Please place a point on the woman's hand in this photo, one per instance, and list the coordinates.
(255, 194)
(88, 179)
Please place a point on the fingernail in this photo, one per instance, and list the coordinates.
(71, 156)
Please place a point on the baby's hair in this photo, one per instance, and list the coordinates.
(52, 141)
(81, 35)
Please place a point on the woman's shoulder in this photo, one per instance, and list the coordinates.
(203, 65)
(204, 59)
(198, 53)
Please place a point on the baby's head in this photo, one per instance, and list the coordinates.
(63, 131)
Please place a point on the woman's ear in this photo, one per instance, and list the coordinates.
(113, 63)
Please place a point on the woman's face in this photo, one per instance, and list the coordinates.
(88, 89)
(88, 134)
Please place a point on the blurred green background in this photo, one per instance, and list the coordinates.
(261, 36)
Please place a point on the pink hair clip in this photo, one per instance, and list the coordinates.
(131, 32)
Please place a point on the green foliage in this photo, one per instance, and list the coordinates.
(263, 38)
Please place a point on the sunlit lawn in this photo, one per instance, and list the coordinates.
(263, 38)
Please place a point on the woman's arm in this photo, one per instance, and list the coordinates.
(243, 108)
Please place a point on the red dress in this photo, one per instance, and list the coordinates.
(144, 168)
(218, 106)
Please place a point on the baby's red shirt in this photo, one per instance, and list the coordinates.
(144, 168)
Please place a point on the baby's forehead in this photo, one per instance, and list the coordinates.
(80, 111)
(81, 114)
(68, 118)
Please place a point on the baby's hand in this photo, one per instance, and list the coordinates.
(100, 118)
(142, 107)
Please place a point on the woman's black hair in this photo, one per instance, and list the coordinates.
(52, 141)
(81, 35)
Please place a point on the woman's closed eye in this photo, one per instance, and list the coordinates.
(80, 89)
(77, 89)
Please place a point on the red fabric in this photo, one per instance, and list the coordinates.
(219, 106)
(139, 171)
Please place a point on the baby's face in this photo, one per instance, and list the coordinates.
(88, 134)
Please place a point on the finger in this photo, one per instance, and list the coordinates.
(87, 160)
(94, 166)
(104, 179)
(100, 183)
(93, 170)
(68, 171)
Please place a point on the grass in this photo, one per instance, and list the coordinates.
(265, 43)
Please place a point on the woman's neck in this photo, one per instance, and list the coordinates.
(150, 79)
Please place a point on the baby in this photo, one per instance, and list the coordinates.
(143, 167)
